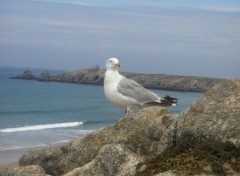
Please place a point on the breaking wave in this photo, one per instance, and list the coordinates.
(41, 127)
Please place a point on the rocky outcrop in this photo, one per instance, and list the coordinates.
(83, 76)
(44, 76)
(27, 74)
(216, 114)
(109, 150)
(31, 170)
(156, 81)
(174, 82)
(204, 138)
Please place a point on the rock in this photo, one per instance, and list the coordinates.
(83, 76)
(112, 159)
(156, 81)
(31, 170)
(27, 74)
(44, 76)
(216, 114)
(168, 173)
(174, 82)
(130, 139)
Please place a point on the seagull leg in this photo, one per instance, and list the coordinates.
(126, 111)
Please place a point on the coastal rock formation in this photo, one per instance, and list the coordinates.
(204, 138)
(174, 82)
(24, 171)
(122, 145)
(113, 159)
(27, 74)
(44, 76)
(216, 114)
(155, 81)
(84, 76)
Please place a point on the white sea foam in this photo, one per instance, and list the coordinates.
(41, 127)
(26, 145)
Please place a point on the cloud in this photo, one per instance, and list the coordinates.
(222, 8)
(169, 37)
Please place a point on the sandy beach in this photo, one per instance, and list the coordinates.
(11, 156)
(10, 165)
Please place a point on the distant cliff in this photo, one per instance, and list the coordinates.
(154, 81)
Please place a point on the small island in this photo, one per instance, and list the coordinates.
(95, 76)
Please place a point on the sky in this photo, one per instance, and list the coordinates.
(187, 37)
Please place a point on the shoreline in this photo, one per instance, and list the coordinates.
(10, 165)
(9, 158)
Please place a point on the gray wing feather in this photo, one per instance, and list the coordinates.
(134, 90)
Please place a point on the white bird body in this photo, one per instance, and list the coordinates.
(111, 82)
(128, 94)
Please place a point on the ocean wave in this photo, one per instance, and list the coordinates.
(30, 146)
(36, 141)
(97, 121)
(41, 127)
(47, 111)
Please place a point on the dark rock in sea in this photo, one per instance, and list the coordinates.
(31, 170)
(27, 74)
(44, 76)
(204, 139)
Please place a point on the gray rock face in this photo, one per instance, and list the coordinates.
(32, 170)
(112, 159)
(130, 139)
(216, 114)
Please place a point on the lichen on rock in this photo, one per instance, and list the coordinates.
(31, 170)
(216, 114)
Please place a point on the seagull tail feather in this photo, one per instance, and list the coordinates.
(164, 101)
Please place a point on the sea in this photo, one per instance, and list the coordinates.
(37, 114)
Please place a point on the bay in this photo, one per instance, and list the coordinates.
(34, 113)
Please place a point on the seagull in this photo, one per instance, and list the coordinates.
(128, 94)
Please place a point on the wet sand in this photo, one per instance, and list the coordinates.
(10, 165)
(11, 156)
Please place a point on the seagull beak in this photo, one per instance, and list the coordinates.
(118, 65)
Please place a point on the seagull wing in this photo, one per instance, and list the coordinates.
(130, 88)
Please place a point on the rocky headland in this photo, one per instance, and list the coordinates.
(155, 81)
(203, 140)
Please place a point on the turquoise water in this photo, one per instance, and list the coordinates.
(34, 113)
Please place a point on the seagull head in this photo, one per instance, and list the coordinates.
(113, 63)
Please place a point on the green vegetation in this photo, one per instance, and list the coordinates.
(191, 155)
